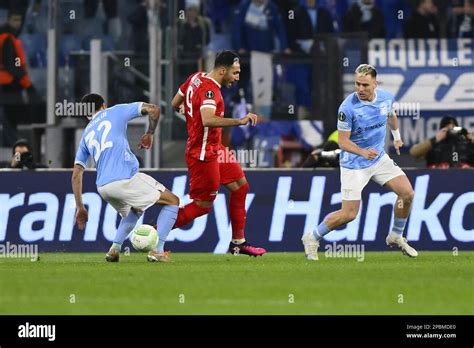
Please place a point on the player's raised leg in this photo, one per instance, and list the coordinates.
(347, 213)
(203, 187)
(402, 187)
(166, 220)
(239, 245)
(192, 211)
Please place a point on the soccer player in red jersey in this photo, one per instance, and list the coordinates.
(204, 111)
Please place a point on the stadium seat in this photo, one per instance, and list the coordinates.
(35, 46)
(68, 43)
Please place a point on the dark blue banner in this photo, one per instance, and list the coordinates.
(38, 207)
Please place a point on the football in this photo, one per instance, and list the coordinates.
(144, 238)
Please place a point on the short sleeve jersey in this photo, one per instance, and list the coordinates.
(201, 92)
(105, 140)
(367, 123)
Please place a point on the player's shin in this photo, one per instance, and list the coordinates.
(125, 227)
(395, 237)
(237, 213)
(401, 212)
(164, 223)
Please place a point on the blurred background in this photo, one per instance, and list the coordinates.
(298, 59)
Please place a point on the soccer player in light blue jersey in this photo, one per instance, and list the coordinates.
(118, 180)
(362, 120)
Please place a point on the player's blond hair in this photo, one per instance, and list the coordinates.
(366, 69)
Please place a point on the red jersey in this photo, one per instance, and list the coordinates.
(199, 92)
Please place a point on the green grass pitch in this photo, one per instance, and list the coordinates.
(277, 283)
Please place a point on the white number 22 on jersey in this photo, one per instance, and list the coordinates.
(94, 144)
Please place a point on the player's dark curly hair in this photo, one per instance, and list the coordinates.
(226, 59)
(94, 100)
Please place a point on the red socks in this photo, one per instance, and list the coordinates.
(237, 211)
(188, 213)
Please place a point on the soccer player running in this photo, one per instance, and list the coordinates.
(118, 179)
(204, 111)
(362, 120)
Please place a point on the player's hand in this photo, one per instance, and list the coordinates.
(370, 154)
(146, 141)
(252, 118)
(81, 218)
(398, 144)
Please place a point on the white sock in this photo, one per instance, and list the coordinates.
(238, 241)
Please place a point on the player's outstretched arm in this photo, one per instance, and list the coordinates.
(153, 112)
(347, 145)
(393, 124)
(76, 180)
(209, 119)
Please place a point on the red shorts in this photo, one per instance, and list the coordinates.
(206, 177)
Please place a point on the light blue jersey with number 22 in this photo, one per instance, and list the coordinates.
(105, 139)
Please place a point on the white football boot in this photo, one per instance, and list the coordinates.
(311, 246)
(397, 241)
(155, 256)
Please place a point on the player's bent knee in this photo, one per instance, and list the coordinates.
(243, 181)
(408, 196)
(204, 204)
(138, 212)
(174, 200)
(244, 189)
(168, 198)
(350, 217)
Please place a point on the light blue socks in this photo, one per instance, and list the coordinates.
(321, 231)
(399, 225)
(165, 223)
(125, 227)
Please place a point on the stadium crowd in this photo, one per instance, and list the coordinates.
(282, 27)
